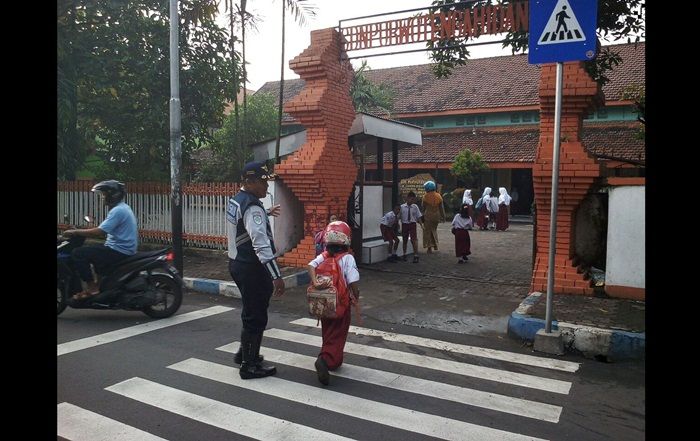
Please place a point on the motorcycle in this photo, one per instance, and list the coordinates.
(144, 282)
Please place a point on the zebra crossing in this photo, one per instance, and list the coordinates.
(470, 386)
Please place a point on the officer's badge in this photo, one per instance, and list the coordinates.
(257, 218)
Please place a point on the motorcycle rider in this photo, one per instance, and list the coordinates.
(122, 237)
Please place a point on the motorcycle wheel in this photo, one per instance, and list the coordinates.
(172, 295)
(60, 296)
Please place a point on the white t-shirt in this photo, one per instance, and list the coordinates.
(410, 216)
(493, 204)
(389, 219)
(465, 223)
(347, 266)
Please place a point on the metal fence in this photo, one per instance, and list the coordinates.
(203, 210)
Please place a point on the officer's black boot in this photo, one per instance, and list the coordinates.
(259, 358)
(238, 358)
(250, 344)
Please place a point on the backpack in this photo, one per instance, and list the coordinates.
(331, 302)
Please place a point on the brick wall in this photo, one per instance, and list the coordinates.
(578, 170)
(321, 173)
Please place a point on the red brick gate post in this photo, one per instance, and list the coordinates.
(578, 170)
(321, 173)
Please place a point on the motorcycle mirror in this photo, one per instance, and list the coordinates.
(88, 219)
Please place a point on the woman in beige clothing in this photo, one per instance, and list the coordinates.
(434, 213)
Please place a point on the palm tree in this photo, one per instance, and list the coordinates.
(229, 7)
(299, 8)
(369, 97)
(245, 19)
(242, 12)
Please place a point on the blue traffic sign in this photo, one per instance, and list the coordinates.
(562, 30)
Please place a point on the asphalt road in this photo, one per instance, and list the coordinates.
(120, 379)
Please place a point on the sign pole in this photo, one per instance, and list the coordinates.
(555, 191)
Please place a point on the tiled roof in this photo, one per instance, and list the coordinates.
(518, 144)
(495, 145)
(483, 83)
(614, 140)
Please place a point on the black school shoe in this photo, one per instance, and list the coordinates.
(322, 371)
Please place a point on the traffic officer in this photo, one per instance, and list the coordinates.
(252, 264)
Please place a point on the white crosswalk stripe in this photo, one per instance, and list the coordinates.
(486, 373)
(120, 334)
(464, 395)
(512, 357)
(79, 424)
(387, 414)
(225, 416)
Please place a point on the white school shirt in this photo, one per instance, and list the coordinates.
(414, 214)
(347, 266)
(389, 219)
(493, 204)
(465, 223)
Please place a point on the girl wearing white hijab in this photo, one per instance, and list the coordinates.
(503, 209)
(483, 209)
(467, 200)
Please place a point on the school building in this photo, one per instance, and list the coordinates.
(491, 106)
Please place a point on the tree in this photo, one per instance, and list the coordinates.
(637, 93)
(367, 96)
(226, 158)
(243, 13)
(617, 19)
(113, 82)
(236, 77)
(240, 77)
(467, 166)
(299, 9)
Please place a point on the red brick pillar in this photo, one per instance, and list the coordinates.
(577, 172)
(322, 172)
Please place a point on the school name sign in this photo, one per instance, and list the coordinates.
(439, 25)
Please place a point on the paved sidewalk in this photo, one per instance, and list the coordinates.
(606, 329)
(486, 296)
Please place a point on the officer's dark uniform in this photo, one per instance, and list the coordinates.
(252, 266)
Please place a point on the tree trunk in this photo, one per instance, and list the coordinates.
(235, 70)
(245, 75)
(281, 101)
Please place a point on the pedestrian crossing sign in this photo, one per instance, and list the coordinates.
(562, 30)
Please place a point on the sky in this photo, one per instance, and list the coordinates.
(263, 46)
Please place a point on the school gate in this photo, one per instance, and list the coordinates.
(321, 173)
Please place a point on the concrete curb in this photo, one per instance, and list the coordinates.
(592, 342)
(229, 289)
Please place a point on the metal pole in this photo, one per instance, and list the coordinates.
(555, 190)
(380, 160)
(175, 142)
(394, 173)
